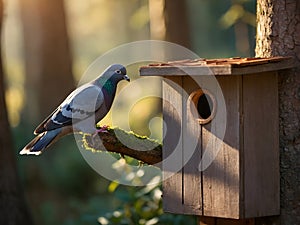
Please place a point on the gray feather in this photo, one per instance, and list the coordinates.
(81, 103)
(84, 107)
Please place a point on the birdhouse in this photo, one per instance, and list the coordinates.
(221, 136)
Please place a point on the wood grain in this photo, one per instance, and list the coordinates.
(261, 145)
(222, 68)
(203, 220)
(243, 179)
(221, 181)
(192, 195)
(172, 145)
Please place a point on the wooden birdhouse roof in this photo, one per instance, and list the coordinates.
(223, 66)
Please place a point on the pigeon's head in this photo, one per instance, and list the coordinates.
(117, 72)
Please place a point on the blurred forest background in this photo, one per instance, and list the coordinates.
(46, 47)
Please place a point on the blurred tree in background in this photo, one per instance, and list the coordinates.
(49, 44)
(222, 28)
(47, 56)
(176, 22)
(12, 205)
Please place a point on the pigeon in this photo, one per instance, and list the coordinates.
(80, 111)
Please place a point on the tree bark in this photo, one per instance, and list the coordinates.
(47, 56)
(13, 209)
(278, 33)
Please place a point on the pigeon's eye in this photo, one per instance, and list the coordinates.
(118, 71)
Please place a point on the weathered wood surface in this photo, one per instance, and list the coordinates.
(221, 180)
(261, 145)
(172, 145)
(202, 220)
(242, 180)
(192, 188)
(231, 66)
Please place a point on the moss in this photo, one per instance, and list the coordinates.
(133, 141)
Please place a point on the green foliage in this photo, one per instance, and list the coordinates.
(141, 206)
(62, 189)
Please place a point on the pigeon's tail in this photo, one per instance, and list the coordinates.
(41, 142)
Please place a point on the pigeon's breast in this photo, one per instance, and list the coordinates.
(103, 110)
(109, 96)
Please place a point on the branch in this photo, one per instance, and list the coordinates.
(126, 143)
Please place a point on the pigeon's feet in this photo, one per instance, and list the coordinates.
(102, 129)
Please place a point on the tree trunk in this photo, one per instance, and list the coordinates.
(176, 22)
(278, 33)
(48, 60)
(13, 209)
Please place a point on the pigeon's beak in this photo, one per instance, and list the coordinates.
(126, 77)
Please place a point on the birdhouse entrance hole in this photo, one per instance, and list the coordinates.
(205, 104)
(243, 179)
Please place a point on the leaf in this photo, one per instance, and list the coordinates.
(113, 186)
(152, 221)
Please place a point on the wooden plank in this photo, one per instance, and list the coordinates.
(235, 61)
(221, 180)
(261, 145)
(186, 70)
(268, 220)
(202, 220)
(223, 221)
(249, 67)
(172, 145)
(257, 69)
(191, 149)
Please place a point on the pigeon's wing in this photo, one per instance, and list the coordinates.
(41, 127)
(79, 105)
